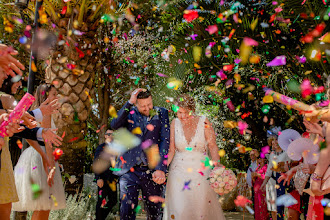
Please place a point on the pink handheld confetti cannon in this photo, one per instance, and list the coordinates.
(17, 113)
(278, 97)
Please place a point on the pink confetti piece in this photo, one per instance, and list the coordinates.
(162, 75)
(250, 42)
(277, 61)
(212, 29)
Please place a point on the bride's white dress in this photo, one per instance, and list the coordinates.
(189, 195)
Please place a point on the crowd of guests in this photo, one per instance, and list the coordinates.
(36, 184)
(272, 178)
(33, 182)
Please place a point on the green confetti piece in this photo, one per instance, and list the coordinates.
(137, 209)
(175, 108)
(76, 118)
(207, 162)
(189, 148)
(137, 81)
(323, 145)
(115, 169)
(265, 109)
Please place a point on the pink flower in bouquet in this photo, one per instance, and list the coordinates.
(232, 182)
(212, 174)
(218, 170)
(226, 173)
(212, 180)
(222, 184)
(219, 179)
(215, 185)
(226, 178)
(228, 186)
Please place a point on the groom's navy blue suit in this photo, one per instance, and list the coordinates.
(134, 173)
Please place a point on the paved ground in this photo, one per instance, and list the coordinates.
(229, 216)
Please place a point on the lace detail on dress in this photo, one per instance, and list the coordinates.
(197, 143)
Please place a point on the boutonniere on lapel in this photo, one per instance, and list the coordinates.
(152, 113)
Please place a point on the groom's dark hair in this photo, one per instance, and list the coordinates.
(144, 94)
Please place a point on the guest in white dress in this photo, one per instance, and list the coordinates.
(188, 192)
(30, 169)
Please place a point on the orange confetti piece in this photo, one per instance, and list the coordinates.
(63, 135)
(19, 144)
(33, 67)
(73, 139)
(231, 33)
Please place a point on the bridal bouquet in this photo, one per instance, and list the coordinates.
(222, 180)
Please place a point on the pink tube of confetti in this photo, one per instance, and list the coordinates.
(17, 113)
(297, 105)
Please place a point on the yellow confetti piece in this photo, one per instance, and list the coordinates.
(230, 124)
(268, 99)
(254, 24)
(153, 156)
(54, 200)
(189, 170)
(113, 186)
(197, 53)
(137, 130)
(274, 164)
(254, 59)
(237, 77)
(197, 66)
(112, 112)
(222, 152)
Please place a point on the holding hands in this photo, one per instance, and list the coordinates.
(158, 177)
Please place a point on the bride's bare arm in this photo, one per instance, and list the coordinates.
(171, 151)
(211, 140)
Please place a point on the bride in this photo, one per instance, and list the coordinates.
(188, 192)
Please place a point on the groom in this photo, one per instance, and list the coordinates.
(134, 174)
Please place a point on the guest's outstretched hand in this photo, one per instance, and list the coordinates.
(158, 177)
(49, 107)
(286, 177)
(51, 137)
(8, 63)
(313, 128)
